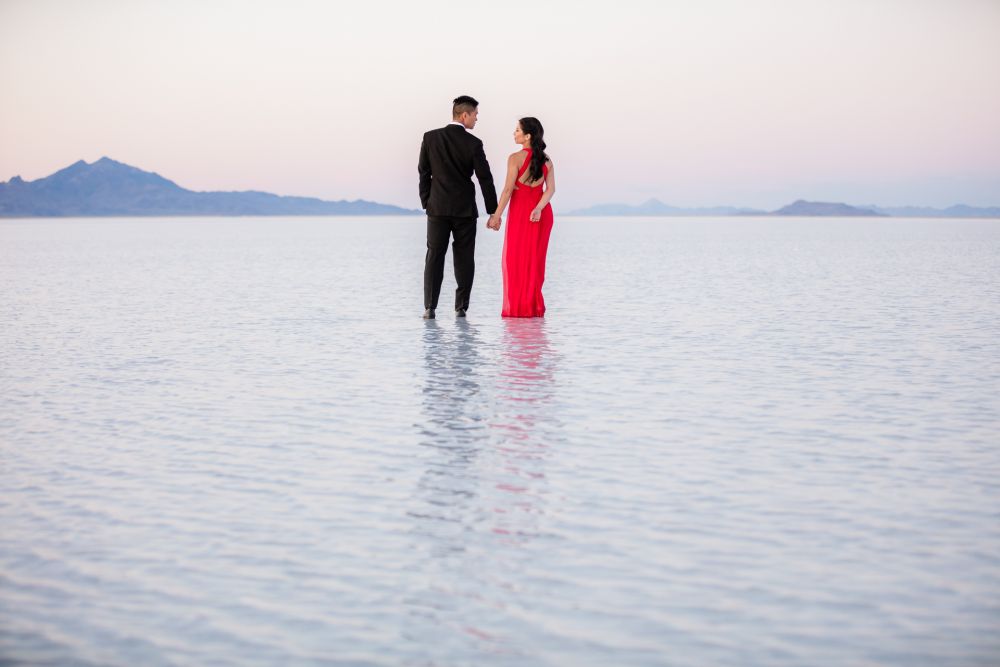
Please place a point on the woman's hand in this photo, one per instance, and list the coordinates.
(536, 214)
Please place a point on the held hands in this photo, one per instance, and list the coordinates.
(495, 221)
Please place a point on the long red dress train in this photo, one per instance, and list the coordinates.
(524, 247)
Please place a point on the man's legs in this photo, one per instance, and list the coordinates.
(438, 231)
(464, 256)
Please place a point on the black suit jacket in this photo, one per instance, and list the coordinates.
(448, 158)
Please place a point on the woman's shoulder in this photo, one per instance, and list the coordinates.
(516, 160)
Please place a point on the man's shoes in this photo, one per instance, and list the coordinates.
(460, 312)
(429, 314)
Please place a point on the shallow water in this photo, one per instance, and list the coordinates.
(730, 442)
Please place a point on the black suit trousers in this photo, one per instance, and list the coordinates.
(439, 229)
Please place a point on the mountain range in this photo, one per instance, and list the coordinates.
(654, 207)
(110, 188)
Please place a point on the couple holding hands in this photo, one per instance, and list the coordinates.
(448, 158)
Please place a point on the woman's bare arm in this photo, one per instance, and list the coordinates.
(508, 187)
(550, 189)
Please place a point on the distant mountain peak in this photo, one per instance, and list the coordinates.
(820, 208)
(108, 163)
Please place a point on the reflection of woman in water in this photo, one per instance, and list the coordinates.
(525, 428)
(523, 411)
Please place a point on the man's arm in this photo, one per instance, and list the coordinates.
(485, 179)
(424, 169)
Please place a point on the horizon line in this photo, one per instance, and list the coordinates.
(750, 210)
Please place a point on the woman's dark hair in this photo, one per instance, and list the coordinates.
(533, 127)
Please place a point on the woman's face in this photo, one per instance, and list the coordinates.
(520, 137)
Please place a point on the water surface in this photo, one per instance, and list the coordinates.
(730, 442)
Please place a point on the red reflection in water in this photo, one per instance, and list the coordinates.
(523, 420)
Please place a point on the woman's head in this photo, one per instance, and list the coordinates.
(530, 134)
(527, 129)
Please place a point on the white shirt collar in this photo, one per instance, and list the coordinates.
(461, 125)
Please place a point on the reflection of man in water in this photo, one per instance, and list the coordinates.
(451, 379)
(455, 418)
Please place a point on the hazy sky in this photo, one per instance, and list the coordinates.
(695, 103)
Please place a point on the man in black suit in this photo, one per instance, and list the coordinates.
(448, 158)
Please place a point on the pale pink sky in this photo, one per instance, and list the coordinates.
(695, 103)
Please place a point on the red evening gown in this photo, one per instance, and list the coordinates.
(524, 248)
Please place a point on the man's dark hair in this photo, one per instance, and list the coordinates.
(463, 104)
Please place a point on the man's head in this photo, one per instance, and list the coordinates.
(465, 110)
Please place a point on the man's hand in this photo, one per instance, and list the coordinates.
(494, 222)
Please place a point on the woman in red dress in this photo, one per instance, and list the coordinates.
(529, 222)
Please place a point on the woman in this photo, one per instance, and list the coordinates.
(529, 221)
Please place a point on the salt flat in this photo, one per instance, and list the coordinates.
(731, 441)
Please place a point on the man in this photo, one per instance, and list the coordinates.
(448, 158)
